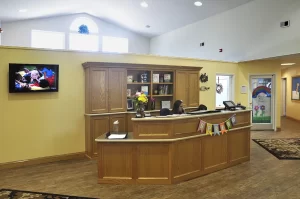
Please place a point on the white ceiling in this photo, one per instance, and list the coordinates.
(162, 15)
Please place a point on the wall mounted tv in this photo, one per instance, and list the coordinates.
(33, 78)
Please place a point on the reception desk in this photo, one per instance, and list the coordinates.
(170, 150)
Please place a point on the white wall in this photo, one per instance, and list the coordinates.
(19, 33)
(0, 33)
(250, 31)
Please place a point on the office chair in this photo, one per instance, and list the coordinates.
(164, 112)
(202, 107)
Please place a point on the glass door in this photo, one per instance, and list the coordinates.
(261, 99)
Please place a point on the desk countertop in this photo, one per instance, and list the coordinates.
(187, 116)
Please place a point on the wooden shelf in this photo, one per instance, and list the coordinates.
(164, 83)
(162, 95)
(138, 83)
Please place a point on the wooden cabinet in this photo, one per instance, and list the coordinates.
(187, 87)
(105, 90)
(193, 89)
(107, 86)
(96, 90)
(99, 125)
(117, 90)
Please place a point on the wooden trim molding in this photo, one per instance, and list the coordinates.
(139, 66)
(42, 160)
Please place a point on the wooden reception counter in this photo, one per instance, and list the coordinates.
(170, 150)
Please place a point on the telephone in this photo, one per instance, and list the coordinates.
(230, 105)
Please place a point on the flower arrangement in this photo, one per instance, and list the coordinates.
(140, 98)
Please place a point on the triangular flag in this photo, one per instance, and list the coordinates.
(201, 126)
(209, 129)
(233, 120)
(223, 128)
(216, 129)
(228, 124)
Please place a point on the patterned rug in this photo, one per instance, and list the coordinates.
(282, 148)
(9, 193)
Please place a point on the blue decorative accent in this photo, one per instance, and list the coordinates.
(83, 29)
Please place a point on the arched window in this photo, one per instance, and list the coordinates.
(84, 35)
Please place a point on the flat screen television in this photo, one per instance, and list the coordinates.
(33, 78)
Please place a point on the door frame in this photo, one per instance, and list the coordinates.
(283, 96)
(273, 101)
(233, 85)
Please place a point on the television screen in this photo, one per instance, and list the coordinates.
(33, 78)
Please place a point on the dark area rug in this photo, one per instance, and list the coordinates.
(9, 193)
(282, 148)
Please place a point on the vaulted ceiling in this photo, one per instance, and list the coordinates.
(161, 15)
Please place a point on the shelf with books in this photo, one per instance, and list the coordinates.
(162, 77)
(138, 76)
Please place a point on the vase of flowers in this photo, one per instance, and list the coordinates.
(152, 103)
(140, 101)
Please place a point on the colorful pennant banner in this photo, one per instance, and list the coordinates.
(201, 126)
(217, 129)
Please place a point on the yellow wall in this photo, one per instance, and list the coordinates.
(292, 106)
(260, 68)
(47, 124)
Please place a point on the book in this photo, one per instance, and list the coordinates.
(167, 77)
(155, 78)
(144, 89)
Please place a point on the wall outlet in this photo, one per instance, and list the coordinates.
(202, 44)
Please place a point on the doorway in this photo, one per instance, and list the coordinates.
(283, 97)
(224, 89)
(262, 94)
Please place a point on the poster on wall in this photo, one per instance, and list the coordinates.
(261, 105)
(296, 88)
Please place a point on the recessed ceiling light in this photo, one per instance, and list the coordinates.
(148, 26)
(144, 4)
(198, 3)
(287, 64)
(23, 10)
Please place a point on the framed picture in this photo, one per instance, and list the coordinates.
(165, 104)
(296, 88)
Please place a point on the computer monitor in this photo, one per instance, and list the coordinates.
(229, 104)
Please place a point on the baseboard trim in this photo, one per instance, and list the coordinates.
(291, 118)
(36, 161)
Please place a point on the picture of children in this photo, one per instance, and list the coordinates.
(34, 78)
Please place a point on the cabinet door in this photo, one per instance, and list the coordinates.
(99, 126)
(122, 122)
(117, 90)
(98, 90)
(182, 87)
(193, 89)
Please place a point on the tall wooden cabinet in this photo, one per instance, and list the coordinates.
(187, 87)
(107, 88)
